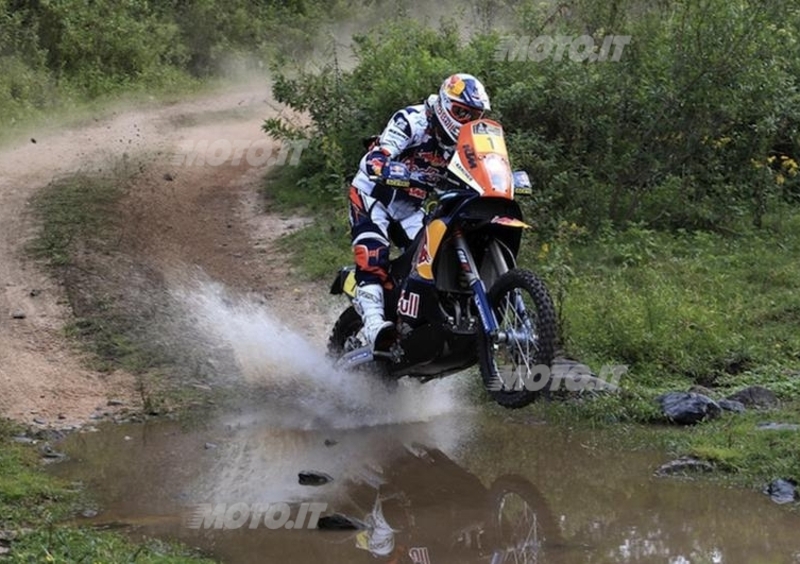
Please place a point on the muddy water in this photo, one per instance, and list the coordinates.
(462, 487)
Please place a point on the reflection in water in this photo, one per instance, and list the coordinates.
(462, 488)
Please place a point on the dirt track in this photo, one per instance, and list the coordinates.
(178, 216)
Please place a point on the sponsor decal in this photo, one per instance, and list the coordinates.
(419, 555)
(408, 304)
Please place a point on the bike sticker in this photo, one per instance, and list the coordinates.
(419, 555)
(408, 304)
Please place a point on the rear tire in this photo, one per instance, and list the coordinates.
(344, 338)
(517, 359)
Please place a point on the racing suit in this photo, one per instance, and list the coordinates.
(409, 138)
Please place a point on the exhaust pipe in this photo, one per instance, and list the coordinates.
(355, 358)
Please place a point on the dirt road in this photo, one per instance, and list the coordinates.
(183, 214)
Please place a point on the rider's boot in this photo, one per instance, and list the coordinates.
(369, 305)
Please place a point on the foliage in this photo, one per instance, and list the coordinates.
(55, 53)
(695, 126)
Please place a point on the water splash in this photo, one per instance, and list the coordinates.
(300, 385)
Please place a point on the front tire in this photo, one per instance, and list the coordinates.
(515, 372)
(523, 527)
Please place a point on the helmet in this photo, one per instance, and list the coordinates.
(461, 98)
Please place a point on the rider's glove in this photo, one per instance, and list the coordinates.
(376, 160)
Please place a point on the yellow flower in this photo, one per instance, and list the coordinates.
(779, 179)
(544, 251)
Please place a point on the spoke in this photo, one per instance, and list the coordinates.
(521, 347)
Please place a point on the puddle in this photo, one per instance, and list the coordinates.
(460, 488)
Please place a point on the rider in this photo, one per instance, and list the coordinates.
(422, 137)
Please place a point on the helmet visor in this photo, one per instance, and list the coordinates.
(463, 113)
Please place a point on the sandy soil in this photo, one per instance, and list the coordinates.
(180, 215)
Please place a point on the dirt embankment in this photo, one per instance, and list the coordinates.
(190, 210)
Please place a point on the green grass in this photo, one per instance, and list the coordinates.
(320, 249)
(32, 504)
(679, 309)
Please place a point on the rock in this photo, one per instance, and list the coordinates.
(168, 177)
(24, 440)
(35, 292)
(49, 452)
(4, 550)
(209, 446)
(18, 315)
(339, 522)
(702, 390)
(755, 396)
(61, 416)
(782, 491)
(115, 402)
(39, 421)
(330, 442)
(732, 405)
(89, 513)
(688, 408)
(684, 465)
(312, 478)
(778, 427)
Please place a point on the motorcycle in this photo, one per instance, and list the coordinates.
(457, 297)
(425, 508)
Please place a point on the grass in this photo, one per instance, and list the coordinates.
(320, 249)
(32, 504)
(679, 309)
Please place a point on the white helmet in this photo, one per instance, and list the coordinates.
(462, 98)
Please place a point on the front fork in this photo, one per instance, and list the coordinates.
(470, 271)
(485, 311)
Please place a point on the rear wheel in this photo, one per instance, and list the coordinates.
(345, 338)
(517, 370)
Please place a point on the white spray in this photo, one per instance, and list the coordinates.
(302, 385)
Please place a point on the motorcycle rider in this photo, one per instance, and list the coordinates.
(423, 138)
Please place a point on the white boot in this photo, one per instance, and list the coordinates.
(369, 305)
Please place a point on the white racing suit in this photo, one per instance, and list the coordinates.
(409, 138)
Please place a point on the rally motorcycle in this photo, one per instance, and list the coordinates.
(424, 508)
(457, 297)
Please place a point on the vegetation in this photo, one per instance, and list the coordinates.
(666, 190)
(62, 54)
(696, 125)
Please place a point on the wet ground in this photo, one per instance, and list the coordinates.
(460, 487)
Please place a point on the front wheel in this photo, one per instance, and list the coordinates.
(516, 369)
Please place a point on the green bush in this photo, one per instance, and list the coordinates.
(678, 133)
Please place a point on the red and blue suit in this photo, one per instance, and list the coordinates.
(409, 138)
